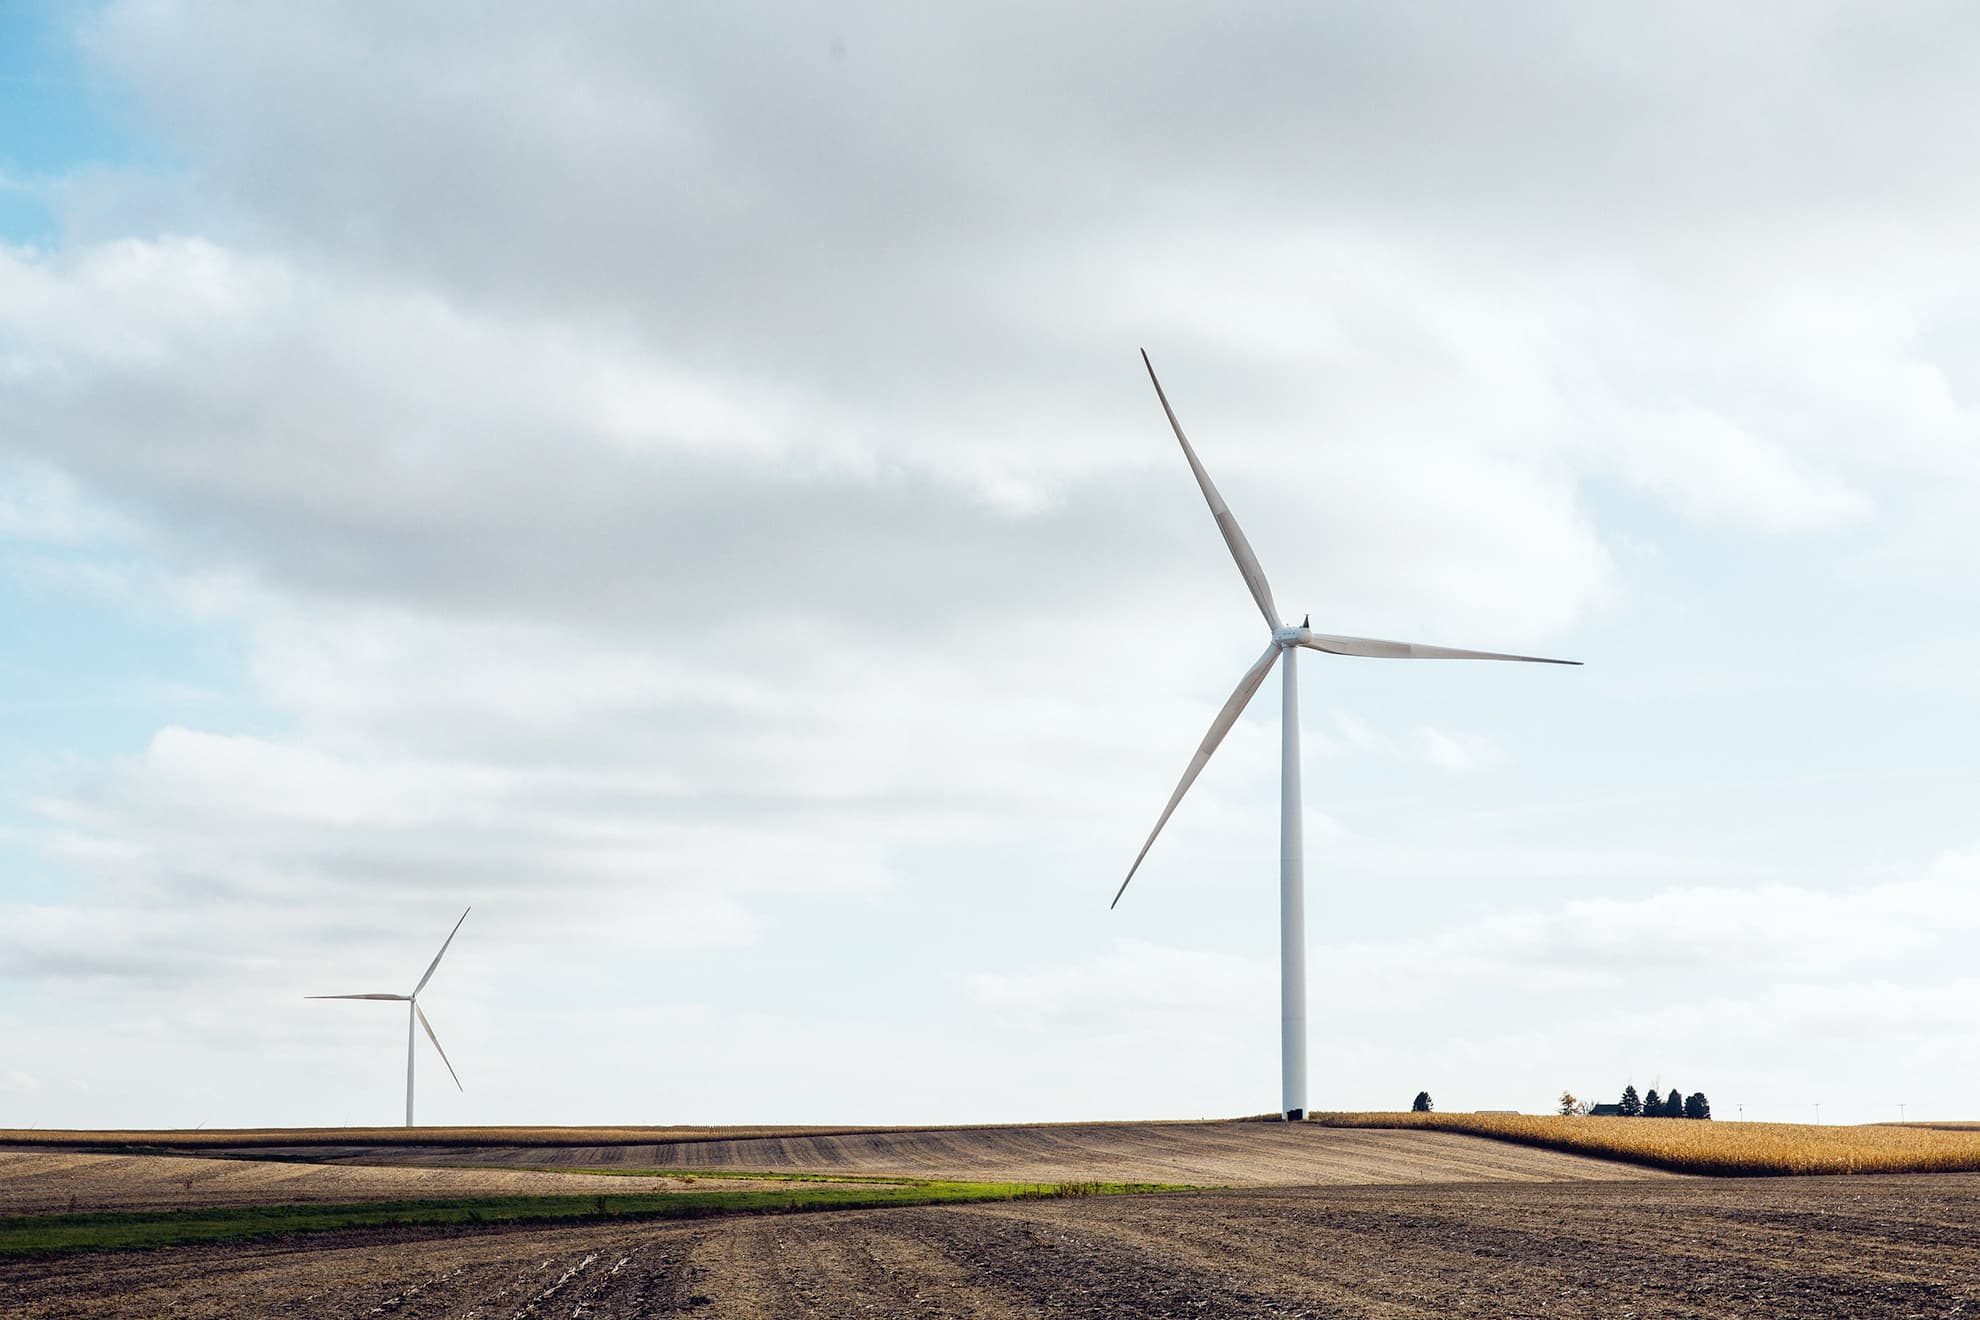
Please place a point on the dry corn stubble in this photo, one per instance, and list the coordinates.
(1711, 1147)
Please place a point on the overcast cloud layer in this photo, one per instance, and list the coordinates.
(680, 480)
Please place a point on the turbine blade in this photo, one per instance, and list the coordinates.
(435, 964)
(420, 1013)
(1240, 698)
(398, 998)
(1247, 562)
(1378, 649)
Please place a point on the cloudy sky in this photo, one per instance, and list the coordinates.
(680, 480)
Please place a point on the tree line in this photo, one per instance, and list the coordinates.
(1668, 1105)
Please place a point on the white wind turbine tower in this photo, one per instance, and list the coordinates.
(415, 1014)
(1292, 881)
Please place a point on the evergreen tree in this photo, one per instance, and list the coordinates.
(1653, 1104)
(1673, 1103)
(1420, 1105)
(1632, 1103)
(1697, 1106)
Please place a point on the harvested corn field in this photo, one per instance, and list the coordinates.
(41, 1181)
(1209, 1154)
(1735, 1149)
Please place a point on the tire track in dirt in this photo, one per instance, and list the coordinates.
(800, 1269)
(603, 1274)
(1074, 1264)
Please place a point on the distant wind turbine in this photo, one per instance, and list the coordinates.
(1292, 880)
(415, 1013)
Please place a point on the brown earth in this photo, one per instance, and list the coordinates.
(235, 1138)
(42, 1182)
(1859, 1247)
(42, 1179)
(1206, 1154)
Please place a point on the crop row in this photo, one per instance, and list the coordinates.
(1726, 1149)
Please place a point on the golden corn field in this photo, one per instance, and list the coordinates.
(1715, 1147)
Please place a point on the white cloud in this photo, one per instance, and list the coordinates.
(1716, 471)
(38, 503)
(1135, 987)
(1774, 936)
(1449, 750)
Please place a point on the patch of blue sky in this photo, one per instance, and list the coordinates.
(57, 117)
(83, 676)
(86, 676)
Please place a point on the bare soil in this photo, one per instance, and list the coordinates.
(1198, 1154)
(1859, 1247)
(46, 1182)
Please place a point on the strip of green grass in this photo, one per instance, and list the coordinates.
(125, 1229)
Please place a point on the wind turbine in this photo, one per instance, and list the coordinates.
(415, 1014)
(1292, 879)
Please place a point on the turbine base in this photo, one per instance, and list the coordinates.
(1295, 1115)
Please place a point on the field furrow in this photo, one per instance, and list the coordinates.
(42, 1182)
(1196, 1154)
(1864, 1247)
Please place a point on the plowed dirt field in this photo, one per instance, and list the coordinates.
(44, 1182)
(1199, 1154)
(1859, 1247)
